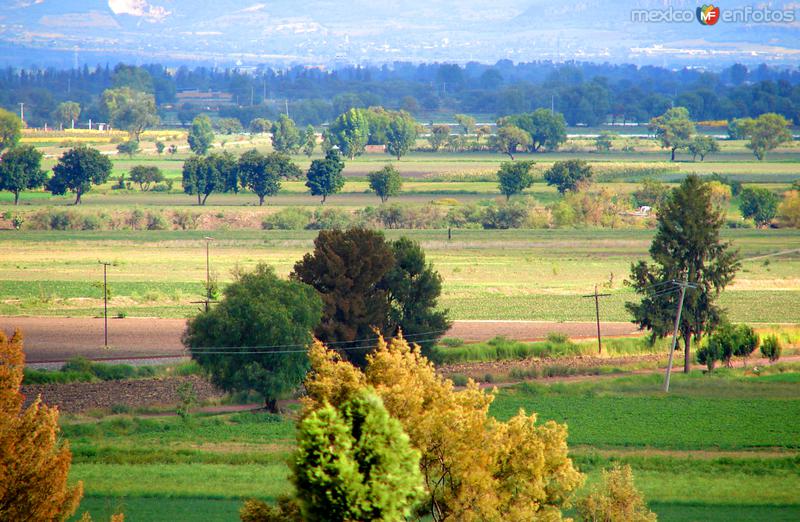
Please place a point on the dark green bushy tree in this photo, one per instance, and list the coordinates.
(324, 176)
(77, 170)
(346, 268)
(514, 177)
(204, 175)
(568, 175)
(385, 182)
(355, 463)
(262, 174)
(145, 176)
(760, 204)
(257, 310)
(412, 289)
(687, 246)
(21, 169)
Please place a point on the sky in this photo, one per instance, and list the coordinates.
(323, 32)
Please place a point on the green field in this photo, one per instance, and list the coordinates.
(488, 274)
(717, 448)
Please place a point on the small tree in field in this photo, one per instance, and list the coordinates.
(258, 310)
(34, 462)
(760, 204)
(386, 182)
(20, 169)
(771, 348)
(128, 147)
(702, 146)
(145, 176)
(510, 139)
(263, 174)
(201, 134)
(569, 175)
(324, 176)
(354, 463)
(615, 499)
(514, 177)
(746, 342)
(77, 170)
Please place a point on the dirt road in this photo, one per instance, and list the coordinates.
(59, 338)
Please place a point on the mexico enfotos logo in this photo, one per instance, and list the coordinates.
(709, 14)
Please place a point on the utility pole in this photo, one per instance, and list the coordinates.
(286, 104)
(597, 315)
(22, 112)
(105, 302)
(208, 272)
(684, 285)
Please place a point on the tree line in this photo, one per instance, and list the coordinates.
(584, 92)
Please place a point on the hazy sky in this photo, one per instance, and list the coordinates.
(294, 31)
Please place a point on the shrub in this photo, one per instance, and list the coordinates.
(709, 355)
(507, 215)
(289, 218)
(156, 221)
(330, 218)
(615, 499)
(557, 338)
(771, 348)
(91, 222)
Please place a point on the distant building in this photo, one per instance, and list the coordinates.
(211, 100)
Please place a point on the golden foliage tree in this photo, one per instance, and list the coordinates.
(33, 463)
(615, 499)
(475, 467)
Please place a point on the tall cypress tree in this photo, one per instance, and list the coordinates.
(687, 246)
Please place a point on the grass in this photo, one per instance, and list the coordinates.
(164, 467)
(724, 411)
(508, 274)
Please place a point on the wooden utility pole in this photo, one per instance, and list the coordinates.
(684, 285)
(208, 272)
(597, 315)
(105, 301)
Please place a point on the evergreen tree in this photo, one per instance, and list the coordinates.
(687, 246)
(324, 176)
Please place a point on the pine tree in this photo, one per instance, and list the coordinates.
(687, 247)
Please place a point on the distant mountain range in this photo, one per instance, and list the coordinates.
(323, 32)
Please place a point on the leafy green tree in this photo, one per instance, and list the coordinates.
(160, 147)
(771, 348)
(262, 174)
(604, 141)
(77, 170)
(145, 176)
(131, 110)
(546, 129)
(309, 141)
(21, 169)
(746, 341)
(514, 177)
(401, 134)
(766, 133)
(260, 126)
(67, 112)
(355, 463)
(702, 145)
(346, 268)
(350, 132)
(760, 204)
(129, 147)
(324, 176)
(413, 288)
(285, 136)
(568, 175)
(467, 123)
(673, 129)
(386, 182)
(687, 246)
(201, 134)
(651, 193)
(483, 130)
(10, 130)
(229, 125)
(740, 128)
(509, 139)
(204, 175)
(258, 314)
(438, 136)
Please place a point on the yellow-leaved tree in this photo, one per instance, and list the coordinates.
(475, 467)
(33, 463)
(615, 499)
